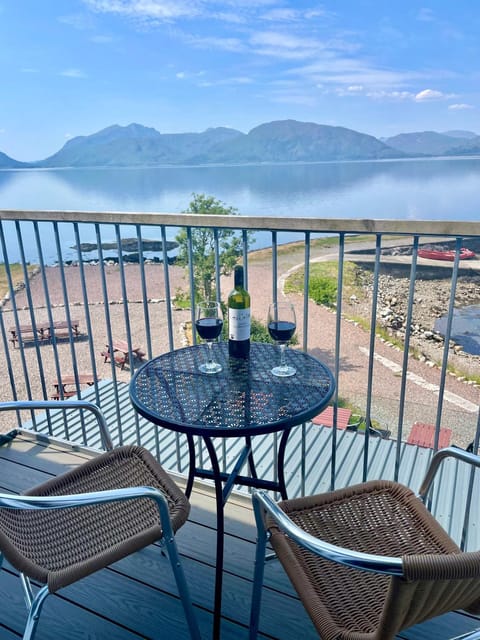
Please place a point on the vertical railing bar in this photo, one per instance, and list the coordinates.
(86, 309)
(218, 298)
(446, 347)
(245, 256)
(406, 355)
(274, 267)
(168, 311)
(306, 289)
(49, 314)
(11, 291)
(101, 265)
(68, 315)
(371, 355)
(338, 328)
(33, 322)
(306, 301)
(123, 286)
(191, 279)
(274, 299)
(168, 297)
(143, 282)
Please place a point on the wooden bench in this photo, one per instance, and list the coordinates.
(26, 333)
(423, 435)
(68, 380)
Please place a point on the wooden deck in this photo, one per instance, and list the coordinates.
(136, 598)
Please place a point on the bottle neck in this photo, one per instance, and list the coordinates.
(238, 278)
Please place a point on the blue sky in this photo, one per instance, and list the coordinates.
(73, 67)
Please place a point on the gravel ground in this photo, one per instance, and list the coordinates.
(458, 411)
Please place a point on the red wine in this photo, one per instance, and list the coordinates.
(209, 328)
(239, 318)
(281, 331)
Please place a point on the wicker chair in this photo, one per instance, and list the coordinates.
(369, 560)
(83, 520)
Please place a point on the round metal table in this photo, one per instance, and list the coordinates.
(243, 400)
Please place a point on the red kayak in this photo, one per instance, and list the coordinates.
(439, 254)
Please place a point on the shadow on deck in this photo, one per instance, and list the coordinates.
(136, 598)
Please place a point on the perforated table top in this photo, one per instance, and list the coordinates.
(244, 399)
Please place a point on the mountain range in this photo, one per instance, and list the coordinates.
(273, 142)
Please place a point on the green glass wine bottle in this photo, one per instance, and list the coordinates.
(239, 318)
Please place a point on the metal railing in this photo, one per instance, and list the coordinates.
(68, 317)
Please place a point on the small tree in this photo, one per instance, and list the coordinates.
(203, 246)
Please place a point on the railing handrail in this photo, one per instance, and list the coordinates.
(454, 228)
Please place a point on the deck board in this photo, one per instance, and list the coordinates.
(137, 598)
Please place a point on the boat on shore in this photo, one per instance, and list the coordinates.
(445, 254)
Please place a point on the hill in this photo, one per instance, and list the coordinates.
(9, 163)
(136, 145)
(282, 141)
(431, 143)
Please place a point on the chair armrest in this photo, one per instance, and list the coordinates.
(355, 559)
(29, 405)
(437, 459)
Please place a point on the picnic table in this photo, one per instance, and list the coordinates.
(68, 380)
(42, 331)
(121, 352)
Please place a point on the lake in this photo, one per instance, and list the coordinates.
(433, 189)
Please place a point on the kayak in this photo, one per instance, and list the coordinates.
(439, 254)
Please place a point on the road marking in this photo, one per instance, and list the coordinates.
(421, 382)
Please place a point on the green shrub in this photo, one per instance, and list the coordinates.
(323, 290)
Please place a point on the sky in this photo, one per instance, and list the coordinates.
(381, 67)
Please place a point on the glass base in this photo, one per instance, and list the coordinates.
(283, 372)
(210, 367)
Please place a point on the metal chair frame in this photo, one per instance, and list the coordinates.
(263, 505)
(35, 602)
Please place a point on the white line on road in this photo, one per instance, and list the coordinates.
(421, 382)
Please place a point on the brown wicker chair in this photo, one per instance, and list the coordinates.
(94, 515)
(369, 560)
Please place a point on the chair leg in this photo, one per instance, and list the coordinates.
(262, 538)
(34, 613)
(182, 587)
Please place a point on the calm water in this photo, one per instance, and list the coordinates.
(465, 328)
(440, 189)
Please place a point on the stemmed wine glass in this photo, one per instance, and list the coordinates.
(209, 323)
(281, 325)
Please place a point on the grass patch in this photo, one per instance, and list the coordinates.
(16, 272)
(322, 287)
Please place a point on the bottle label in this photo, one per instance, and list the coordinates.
(238, 324)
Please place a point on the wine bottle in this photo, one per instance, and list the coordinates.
(239, 318)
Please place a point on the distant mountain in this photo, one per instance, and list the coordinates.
(9, 163)
(293, 141)
(282, 141)
(431, 143)
(136, 145)
(272, 142)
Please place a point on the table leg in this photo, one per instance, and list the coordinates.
(281, 462)
(251, 461)
(217, 607)
(191, 465)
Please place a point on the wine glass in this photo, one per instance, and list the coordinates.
(281, 325)
(209, 323)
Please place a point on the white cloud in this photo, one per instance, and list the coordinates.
(155, 10)
(460, 107)
(426, 15)
(73, 73)
(102, 39)
(431, 94)
(29, 70)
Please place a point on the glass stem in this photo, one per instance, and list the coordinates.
(209, 356)
(282, 354)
